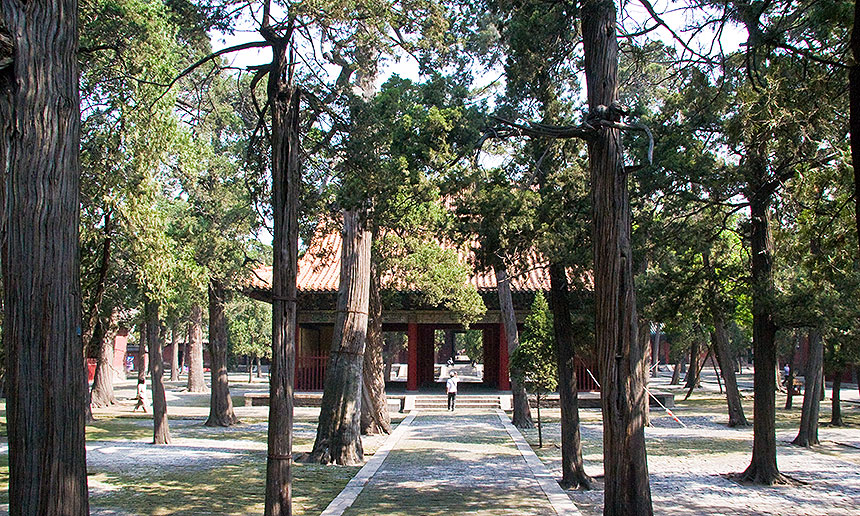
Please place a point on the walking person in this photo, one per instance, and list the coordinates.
(451, 387)
(141, 396)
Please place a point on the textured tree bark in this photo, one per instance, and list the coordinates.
(374, 403)
(40, 162)
(285, 101)
(789, 382)
(142, 357)
(626, 490)
(763, 468)
(161, 428)
(102, 394)
(220, 402)
(522, 416)
(721, 348)
(691, 381)
(338, 437)
(174, 359)
(836, 406)
(645, 344)
(196, 383)
(676, 375)
(807, 435)
(572, 468)
(854, 111)
(727, 371)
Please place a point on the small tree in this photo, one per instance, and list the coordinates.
(534, 359)
(250, 330)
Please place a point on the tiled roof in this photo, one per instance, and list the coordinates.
(319, 271)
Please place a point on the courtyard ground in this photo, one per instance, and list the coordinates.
(461, 463)
(690, 467)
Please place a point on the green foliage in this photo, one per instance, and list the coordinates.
(249, 328)
(437, 273)
(534, 358)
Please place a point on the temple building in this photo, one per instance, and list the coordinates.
(435, 341)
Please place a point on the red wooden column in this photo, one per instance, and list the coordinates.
(412, 352)
(120, 346)
(504, 377)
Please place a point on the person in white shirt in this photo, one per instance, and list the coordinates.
(451, 387)
(142, 402)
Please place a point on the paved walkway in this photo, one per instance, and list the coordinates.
(460, 463)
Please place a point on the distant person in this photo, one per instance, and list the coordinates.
(786, 370)
(451, 387)
(141, 396)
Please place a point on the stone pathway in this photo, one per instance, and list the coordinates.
(460, 463)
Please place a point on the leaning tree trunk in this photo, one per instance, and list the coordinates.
(721, 348)
(102, 394)
(285, 101)
(807, 436)
(691, 381)
(727, 371)
(676, 374)
(338, 437)
(627, 491)
(522, 416)
(196, 383)
(220, 402)
(374, 403)
(572, 467)
(161, 429)
(762, 468)
(40, 164)
(836, 406)
(174, 359)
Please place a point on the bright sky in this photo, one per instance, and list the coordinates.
(634, 13)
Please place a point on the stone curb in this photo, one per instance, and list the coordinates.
(345, 499)
(558, 499)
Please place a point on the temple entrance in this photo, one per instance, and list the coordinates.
(460, 351)
(416, 355)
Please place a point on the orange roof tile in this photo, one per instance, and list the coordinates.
(319, 271)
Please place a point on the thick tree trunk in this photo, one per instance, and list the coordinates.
(285, 101)
(789, 381)
(645, 344)
(40, 163)
(807, 436)
(142, 356)
(102, 394)
(338, 437)
(854, 112)
(691, 381)
(655, 353)
(836, 406)
(196, 383)
(676, 375)
(374, 403)
(627, 491)
(174, 359)
(522, 417)
(763, 468)
(161, 429)
(220, 402)
(572, 467)
(722, 350)
(727, 371)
